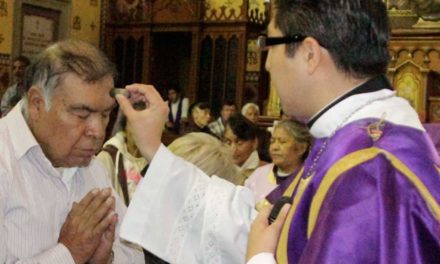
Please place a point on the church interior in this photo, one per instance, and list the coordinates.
(207, 53)
(208, 47)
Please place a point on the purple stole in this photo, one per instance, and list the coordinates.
(372, 198)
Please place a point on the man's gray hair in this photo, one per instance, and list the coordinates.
(69, 56)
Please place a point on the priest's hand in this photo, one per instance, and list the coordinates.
(263, 237)
(147, 124)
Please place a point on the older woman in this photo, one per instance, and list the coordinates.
(288, 149)
(251, 111)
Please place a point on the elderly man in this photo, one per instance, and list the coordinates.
(56, 203)
(367, 193)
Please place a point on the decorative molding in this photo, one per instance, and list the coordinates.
(220, 15)
(5, 59)
(128, 11)
(76, 23)
(176, 6)
(428, 10)
(3, 8)
(252, 77)
(256, 16)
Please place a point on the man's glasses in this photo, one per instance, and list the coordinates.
(264, 42)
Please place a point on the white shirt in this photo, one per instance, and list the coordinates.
(175, 108)
(35, 199)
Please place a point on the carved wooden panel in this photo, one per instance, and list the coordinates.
(433, 91)
(414, 53)
(218, 70)
(409, 81)
(434, 109)
(169, 11)
(225, 10)
(128, 50)
(206, 69)
(128, 11)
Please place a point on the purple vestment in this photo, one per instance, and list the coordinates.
(373, 197)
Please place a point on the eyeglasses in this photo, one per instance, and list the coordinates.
(264, 42)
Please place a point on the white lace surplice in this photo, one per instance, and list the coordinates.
(183, 216)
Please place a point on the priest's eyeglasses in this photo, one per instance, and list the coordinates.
(264, 42)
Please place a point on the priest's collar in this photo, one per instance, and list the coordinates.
(355, 107)
(375, 84)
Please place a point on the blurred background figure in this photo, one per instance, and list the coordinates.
(15, 92)
(200, 117)
(251, 111)
(208, 153)
(289, 147)
(218, 126)
(122, 159)
(178, 105)
(242, 136)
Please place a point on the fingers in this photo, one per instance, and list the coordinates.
(264, 237)
(101, 203)
(125, 105)
(265, 212)
(261, 221)
(105, 209)
(82, 205)
(281, 218)
(109, 234)
(106, 223)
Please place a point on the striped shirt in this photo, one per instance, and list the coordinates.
(217, 127)
(35, 199)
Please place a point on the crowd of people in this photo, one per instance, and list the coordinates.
(359, 180)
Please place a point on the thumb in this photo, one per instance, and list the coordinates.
(125, 105)
(279, 222)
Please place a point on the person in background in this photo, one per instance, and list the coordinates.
(122, 158)
(251, 111)
(242, 136)
(218, 126)
(15, 92)
(289, 147)
(178, 114)
(200, 117)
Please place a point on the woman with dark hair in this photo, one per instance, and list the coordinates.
(242, 135)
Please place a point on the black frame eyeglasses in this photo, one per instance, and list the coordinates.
(264, 42)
